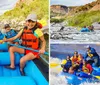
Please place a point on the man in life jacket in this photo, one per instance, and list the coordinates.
(30, 38)
(68, 64)
(10, 33)
(91, 56)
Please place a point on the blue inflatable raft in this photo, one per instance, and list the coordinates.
(82, 77)
(34, 76)
(13, 77)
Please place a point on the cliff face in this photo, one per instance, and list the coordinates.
(94, 6)
(59, 9)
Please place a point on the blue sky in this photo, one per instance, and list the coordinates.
(70, 2)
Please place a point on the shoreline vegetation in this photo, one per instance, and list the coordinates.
(77, 16)
(16, 16)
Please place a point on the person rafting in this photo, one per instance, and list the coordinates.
(75, 58)
(91, 56)
(91, 28)
(88, 29)
(30, 38)
(87, 68)
(72, 70)
(10, 33)
(85, 29)
(68, 64)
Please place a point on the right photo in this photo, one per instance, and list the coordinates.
(75, 21)
(75, 64)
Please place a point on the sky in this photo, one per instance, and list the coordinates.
(6, 5)
(70, 2)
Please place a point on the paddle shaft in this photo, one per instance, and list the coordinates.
(46, 53)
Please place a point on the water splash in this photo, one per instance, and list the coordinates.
(61, 80)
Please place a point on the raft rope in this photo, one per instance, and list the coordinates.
(46, 53)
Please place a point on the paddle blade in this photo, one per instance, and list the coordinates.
(98, 77)
(52, 65)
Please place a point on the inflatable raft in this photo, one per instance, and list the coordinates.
(82, 77)
(33, 73)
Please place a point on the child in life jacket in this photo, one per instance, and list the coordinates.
(10, 33)
(30, 38)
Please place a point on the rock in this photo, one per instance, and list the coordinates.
(71, 34)
(96, 25)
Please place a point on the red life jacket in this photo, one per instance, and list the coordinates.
(39, 25)
(29, 39)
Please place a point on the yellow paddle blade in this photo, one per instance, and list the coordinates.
(98, 77)
(63, 62)
(52, 65)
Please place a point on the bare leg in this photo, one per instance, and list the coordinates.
(12, 50)
(24, 59)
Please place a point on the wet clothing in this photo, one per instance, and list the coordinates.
(11, 34)
(92, 56)
(31, 39)
(85, 30)
(68, 65)
(87, 69)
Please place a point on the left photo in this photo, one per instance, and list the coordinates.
(24, 42)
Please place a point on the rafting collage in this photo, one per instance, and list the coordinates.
(49, 42)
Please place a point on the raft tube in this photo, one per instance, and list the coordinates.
(75, 80)
(33, 76)
(4, 47)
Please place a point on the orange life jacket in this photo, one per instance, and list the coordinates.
(39, 25)
(29, 39)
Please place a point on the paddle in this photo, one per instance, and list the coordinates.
(46, 53)
(57, 64)
(52, 65)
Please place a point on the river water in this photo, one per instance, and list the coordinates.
(72, 35)
(59, 52)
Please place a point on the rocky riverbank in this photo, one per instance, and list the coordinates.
(62, 33)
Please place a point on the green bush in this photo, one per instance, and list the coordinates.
(40, 7)
(84, 19)
(56, 20)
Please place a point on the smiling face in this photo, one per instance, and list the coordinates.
(30, 24)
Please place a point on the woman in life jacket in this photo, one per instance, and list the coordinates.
(75, 58)
(87, 68)
(30, 38)
(10, 33)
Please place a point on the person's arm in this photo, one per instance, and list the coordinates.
(43, 45)
(13, 38)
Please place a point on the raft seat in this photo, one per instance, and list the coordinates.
(4, 72)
